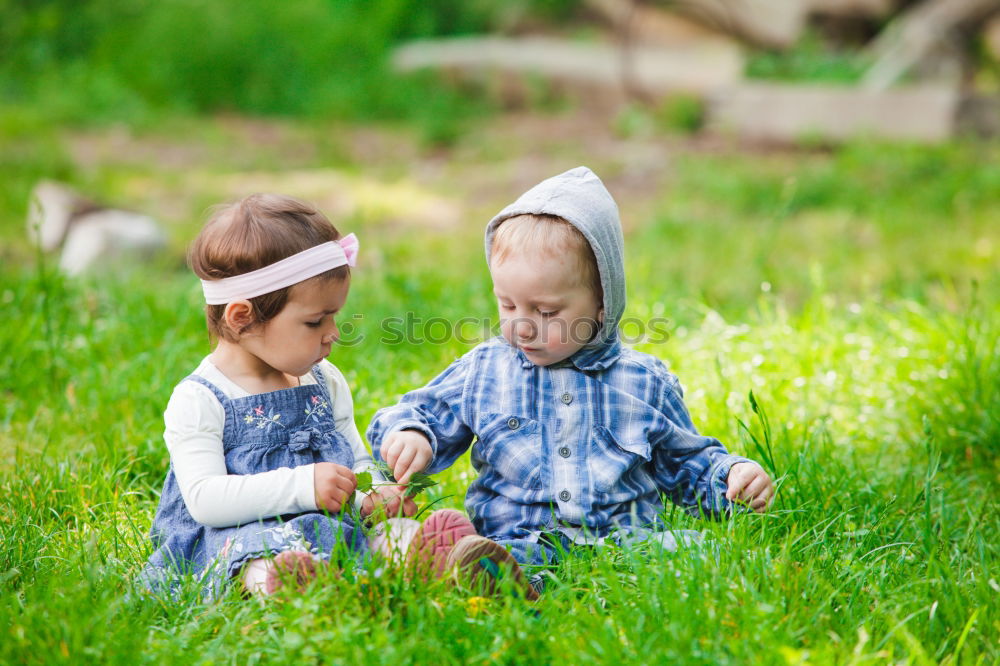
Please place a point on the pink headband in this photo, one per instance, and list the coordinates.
(291, 270)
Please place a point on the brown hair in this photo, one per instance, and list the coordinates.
(252, 233)
(552, 235)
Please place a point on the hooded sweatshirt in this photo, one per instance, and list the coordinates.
(584, 447)
(579, 197)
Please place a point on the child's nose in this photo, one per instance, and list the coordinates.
(332, 336)
(524, 329)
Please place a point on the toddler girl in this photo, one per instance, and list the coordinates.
(263, 445)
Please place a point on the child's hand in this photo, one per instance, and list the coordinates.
(406, 452)
(389, 500)
(749, 483)
(333, 485)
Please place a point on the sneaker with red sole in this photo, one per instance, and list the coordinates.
(485, 566)
(429, 549)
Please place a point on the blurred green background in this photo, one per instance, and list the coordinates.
(852, 286)
(101, 61)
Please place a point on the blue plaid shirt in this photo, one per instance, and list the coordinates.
(584, 446)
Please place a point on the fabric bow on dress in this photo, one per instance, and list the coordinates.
(305, 440)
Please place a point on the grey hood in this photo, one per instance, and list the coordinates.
(579, 197)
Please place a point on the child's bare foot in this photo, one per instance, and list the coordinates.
(429, 549)
(290, 566)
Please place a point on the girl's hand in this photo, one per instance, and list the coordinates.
(750, 484)
(406, 452)
(389, 500)
(333, 485)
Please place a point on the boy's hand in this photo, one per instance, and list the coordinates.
(750, 484)
(406, 452)
(333, 485)
(389, 500)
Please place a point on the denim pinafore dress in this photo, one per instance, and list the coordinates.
(262, 432)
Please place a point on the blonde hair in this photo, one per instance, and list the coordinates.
(551, 235)
(252, 233)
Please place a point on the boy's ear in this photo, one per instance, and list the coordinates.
(238, 315)
(600, 316)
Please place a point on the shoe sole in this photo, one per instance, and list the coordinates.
(485, 565)
(428, 551)
(290, 566)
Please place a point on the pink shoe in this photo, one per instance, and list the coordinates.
(290, 566)
(428, 552)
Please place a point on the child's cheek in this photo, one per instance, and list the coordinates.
(559, 335)
(505, 329)
(550, 336)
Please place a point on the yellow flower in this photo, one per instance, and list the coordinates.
(794, 657)
(475, 605)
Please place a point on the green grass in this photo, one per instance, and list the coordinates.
(854, 292)
(102, 63)
(809, 60)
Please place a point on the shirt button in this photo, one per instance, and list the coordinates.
(566, 398)
(513, 423)
(564, 495)
(564, 451)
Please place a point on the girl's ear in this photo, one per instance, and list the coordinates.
(238, 316)
(600, 316)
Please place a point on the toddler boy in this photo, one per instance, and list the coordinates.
(574, 436)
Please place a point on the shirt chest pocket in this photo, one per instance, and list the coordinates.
(616, 458)
(511, 446)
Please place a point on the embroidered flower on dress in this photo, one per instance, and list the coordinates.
(289, 537)
(261, 420)
(317, 408)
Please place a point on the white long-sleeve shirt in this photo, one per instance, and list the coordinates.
(194, 419)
